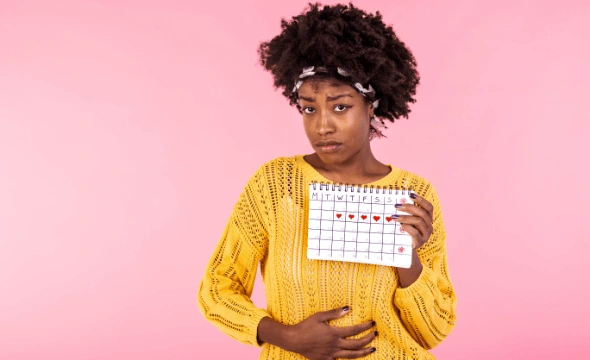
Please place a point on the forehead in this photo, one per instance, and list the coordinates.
(317, 85)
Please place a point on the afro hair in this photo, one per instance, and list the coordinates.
(347, 37)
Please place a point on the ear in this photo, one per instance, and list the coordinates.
(371, 110)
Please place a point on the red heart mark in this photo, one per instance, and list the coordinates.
(400, 249)
(376, 218)
(401, 229)
(351, 216)
(389, 218)
(338, 215)
(364, 217)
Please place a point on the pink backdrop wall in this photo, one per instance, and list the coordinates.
(118, 118)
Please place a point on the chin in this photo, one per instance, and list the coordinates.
(332, 158)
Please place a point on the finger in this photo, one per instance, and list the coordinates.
(357, 344)
(354, 354)
(416, 211)
(324, 316)
(423, 203)
(417, 238)
(416, 222)
(355, 329)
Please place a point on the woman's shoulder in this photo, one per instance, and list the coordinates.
(414, 181)
(278, 164)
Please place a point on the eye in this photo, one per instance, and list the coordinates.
(308, 110)
(341, 108)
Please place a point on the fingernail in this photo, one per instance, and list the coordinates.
(373, 323)
(395, 216)
(373, 349)
(376, 333)
(413, 195)
(398, 205)
(346, 308)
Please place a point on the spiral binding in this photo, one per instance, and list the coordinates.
(361, 188)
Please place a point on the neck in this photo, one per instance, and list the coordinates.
(362, 167)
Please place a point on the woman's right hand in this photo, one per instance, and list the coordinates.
(316, 340)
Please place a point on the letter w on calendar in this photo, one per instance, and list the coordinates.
(355, 224)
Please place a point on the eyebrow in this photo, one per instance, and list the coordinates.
(330, 98)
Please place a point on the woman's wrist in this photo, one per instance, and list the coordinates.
(408, 276)
(274, 333)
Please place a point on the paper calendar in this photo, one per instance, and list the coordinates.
(354, 223)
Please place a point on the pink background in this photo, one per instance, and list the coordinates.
(118, 119)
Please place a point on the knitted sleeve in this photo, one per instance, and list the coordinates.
(225, 290)
(427, 307)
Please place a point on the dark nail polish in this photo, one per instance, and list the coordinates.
(346, 308)
(398, 205)
(373, 323)
(413, 195)
(395, 216)
(373, 349)
(376, 333)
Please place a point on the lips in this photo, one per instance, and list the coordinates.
(328, 146)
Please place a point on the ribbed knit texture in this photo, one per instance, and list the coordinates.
(269, 226)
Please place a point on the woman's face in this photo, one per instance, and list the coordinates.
(336, 118)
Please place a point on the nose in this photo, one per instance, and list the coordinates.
(325, 124)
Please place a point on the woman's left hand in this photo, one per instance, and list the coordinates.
(419, 226)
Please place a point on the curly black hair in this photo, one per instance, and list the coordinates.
(347, 37)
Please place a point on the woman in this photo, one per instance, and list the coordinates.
(342, 68)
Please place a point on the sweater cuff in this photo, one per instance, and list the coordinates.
(419, 287)
(252, 325)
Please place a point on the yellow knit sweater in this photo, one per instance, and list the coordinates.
(269, 226)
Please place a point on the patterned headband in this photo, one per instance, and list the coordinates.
(312, 70)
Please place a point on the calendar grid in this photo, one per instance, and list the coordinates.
(357, 226)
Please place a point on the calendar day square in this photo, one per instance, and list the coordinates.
(389, 228)
(350, 236)
(377, 228)
(350, 245)
(315, 214)
(364, 226)
(315, 205)
(377, 208)
(325, 253)
(388, 248)
(352, 207)
(390, 209)
(375, 237)
(351, 226)
(362, 246)
(314, 224)
(375, 256)
(388, 257)
(375, 247)
(338, 235)
(340, 206)
(337, 245)
(365, 208)
(362, 237)
(326, 225)
(338, 226)
(338, 255)
(327, 215)
(403, 250)
(325, 244)
(313, 234)
(328, 205)
(403, 240)
(388, 238)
